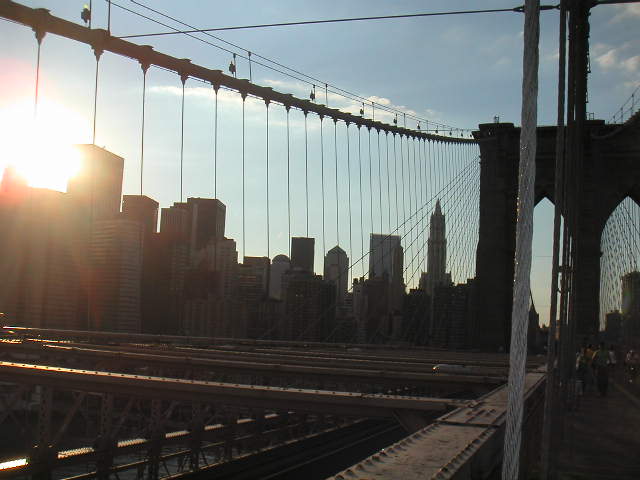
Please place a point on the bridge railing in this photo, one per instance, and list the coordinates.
(466, 443)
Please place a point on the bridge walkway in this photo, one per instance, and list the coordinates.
(602, 438)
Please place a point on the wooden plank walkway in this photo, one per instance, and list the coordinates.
(603, 436)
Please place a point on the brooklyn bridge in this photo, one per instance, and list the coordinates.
(315, 284)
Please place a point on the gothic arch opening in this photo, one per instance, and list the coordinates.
(620, 275)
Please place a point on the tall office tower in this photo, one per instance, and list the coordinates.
(280, 265)
(143, 210)
(115, 275)
(210, 288)
(386, 257)
(336, 271)
(175, 223)
(631, 306)
(307, 301)
(97, 187)
(302, 251)
(436, 253)
(251, 292)
(207, 221)
(39, 266)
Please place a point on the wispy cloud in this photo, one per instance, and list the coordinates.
(614, 58)
(625, 12)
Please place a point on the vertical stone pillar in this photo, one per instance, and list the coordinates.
(496, 244)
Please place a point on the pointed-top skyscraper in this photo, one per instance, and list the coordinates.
(436, 253)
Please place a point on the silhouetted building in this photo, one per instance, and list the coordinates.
(302, 252)
(211, 297)
(97, 187)
(631, 306)
(386, 260)
(40, 268)
(372, 311)
(416, 313)
(452, 315)
(115, 257)
(279, 266)
(436, 274)
(143, 210)
(613, 327)
(308, 303)
(336, 271)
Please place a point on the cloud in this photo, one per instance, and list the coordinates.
(612, 59)
(625, 12)
(373, 105)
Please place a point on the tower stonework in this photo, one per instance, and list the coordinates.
(610, 172)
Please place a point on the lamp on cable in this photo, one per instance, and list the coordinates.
(232, 66)
(312, 94)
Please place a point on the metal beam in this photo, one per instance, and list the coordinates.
(300, 400)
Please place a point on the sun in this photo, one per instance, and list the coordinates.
(41, 147)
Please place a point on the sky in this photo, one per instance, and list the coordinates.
(459, 70)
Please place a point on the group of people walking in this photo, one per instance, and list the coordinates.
(595, 364)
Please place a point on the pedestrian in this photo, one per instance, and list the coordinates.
(612, 357)
(600, 363)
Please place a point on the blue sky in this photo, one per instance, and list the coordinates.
(459, 70)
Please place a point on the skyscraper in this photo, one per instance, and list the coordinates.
(39, 266)
(436, 253)
(143, 210)
(631, 306)
(280, 265)
(386, 257)
(115, 275)
(302, 251)
(97, 187)
(336, 271)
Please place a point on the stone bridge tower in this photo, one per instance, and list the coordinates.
(610, 172)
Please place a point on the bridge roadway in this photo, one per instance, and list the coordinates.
(348, 404)
(382, 357)
(115, 358)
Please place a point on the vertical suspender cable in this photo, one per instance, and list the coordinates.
(39, 36)
(306, 171)
(288, 182)
(395, 179)
(349, 193)
(404, 211)
(379, 183)
(386, 138)
(335, 151)
(215, 143)
(324, 246)
(244, 236)
(524, 231)
(361, 221)
(145, 67)
(547, 455)
(267, 179)
(98, 53)
(370, 185)
(184, 80)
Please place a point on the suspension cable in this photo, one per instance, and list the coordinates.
(244, 236)
(267, 179)
(335, 151)
(288, 183)
(215, 143)
(184, 80)
(145, 67)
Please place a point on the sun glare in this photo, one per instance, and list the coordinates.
(42, 150)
